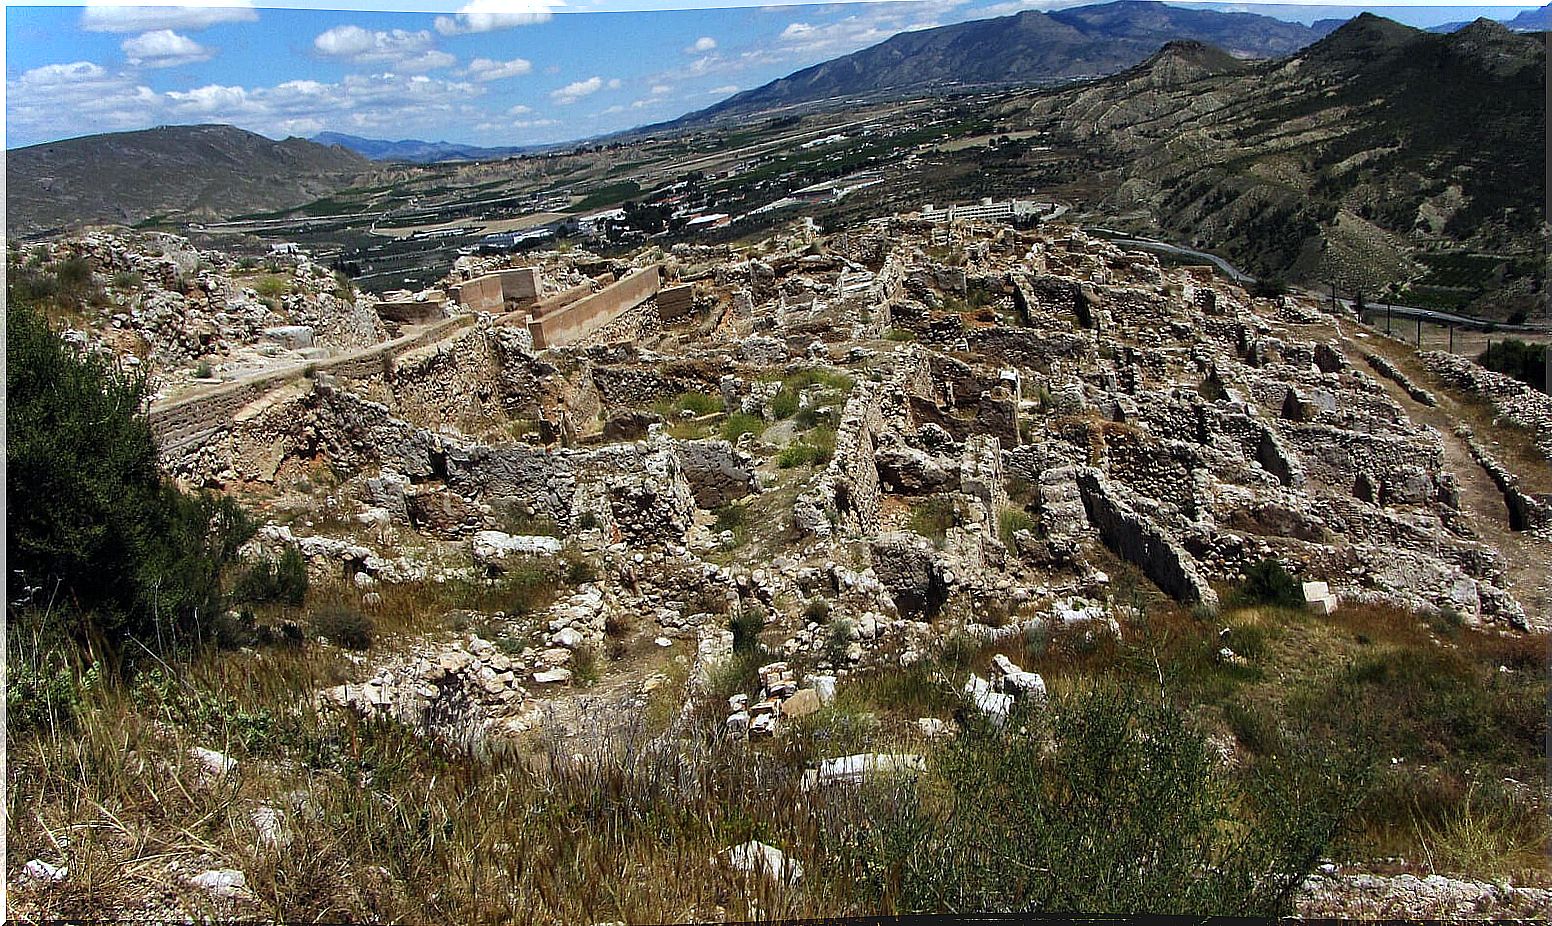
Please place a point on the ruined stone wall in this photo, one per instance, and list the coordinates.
(1336, 457)
(575, 321)
(716, 471)
(1028, 348)
(1517, 402)
(411, 311)
(553, 303)
(1143, 543)
(189, 419)
(458, 381)
(520, 284)
(634, 325)
(847, 495)
(675, 302)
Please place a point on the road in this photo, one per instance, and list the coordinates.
(1148, 244)
(1444, 318)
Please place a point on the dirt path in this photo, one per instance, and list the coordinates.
(1526, 556)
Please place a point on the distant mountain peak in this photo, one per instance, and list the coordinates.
(1027, 48)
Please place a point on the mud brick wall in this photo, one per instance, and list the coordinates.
(483, 294)
(675, 302)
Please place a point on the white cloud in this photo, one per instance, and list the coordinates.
(102, 101)
(535, 124)
(400, 49)
(577, 90)
(614, 83)
(701, 45)
(162, 49)
(724, 90)
(97, 100)
(491, 15)
(520, 110)
(485, 70)
(153, 18)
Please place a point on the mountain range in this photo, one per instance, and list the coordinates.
(1030, 47)
(1328, 164)
(1537, 20)
(415, 151)
(191, 171)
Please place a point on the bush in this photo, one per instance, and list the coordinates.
(344, 626)
(92, 524)
(1012, 520)
(932, 518)
(900, 334)
(739, 424)
(1109, 803)
(698, 403)
(283, 580)
(525, 588)
(747, 625)
(1525, 362)
(1267, 582)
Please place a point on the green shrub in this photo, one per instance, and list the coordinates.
(932, 518)
(281, 580)
(816, 611)
(526, 587)
(92, 524)
(579, 569)
(900, 334)
(747, 625)
(699, 403)
(344, 626)
(799, 454)
(203, 370)
(1012, 520)
(1513, 357)
(784, 404)
(739, 424)
(1267, 582)
(1106, 802)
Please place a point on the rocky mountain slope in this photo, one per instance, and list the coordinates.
(1329, 164)
(1030, 47)
(193, 171)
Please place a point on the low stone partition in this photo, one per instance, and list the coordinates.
(1527, 512)
(550, 304)
(1388, 370)
(411, 311)
(1517, 402)
(586, 315)
(1138, 540)
(483, 294)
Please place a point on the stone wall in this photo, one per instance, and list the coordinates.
(483, 294)
(847, 494)
(188, 419)
(1143, 543)
(575, 321)
(717, 472)
(410, 311)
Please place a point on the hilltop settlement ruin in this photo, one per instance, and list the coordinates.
(871, 439)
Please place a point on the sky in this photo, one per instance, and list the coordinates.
(518, 72)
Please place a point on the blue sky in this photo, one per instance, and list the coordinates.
(489, 73)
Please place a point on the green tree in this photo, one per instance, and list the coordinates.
(97, 537)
